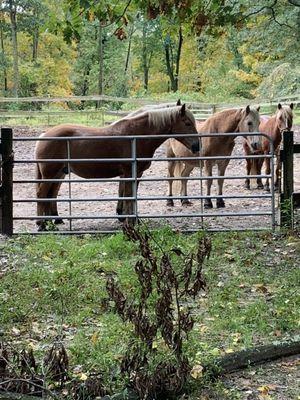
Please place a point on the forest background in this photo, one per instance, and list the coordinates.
(210, 50)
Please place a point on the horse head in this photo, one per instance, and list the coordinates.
(249, 122)
(176, 120)
(284, 117)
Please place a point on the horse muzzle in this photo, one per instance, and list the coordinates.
(195, 147)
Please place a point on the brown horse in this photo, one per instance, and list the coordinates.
(226, 121)
(155, 122)
(273, 127)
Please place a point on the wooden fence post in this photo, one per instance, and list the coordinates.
(286, 209)
(7, 182)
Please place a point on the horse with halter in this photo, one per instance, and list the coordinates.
(273, 127)
(151, 122)
(226, 121)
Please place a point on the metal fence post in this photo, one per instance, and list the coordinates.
(7, 182)
(286, 210)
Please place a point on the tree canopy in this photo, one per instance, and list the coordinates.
(214, 49)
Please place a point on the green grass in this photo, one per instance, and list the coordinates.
(55, 286)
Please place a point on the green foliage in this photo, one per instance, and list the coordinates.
(283, 80)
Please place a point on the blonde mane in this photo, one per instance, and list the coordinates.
(159, 118)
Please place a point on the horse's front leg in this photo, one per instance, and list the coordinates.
(248, 164)
(222, 165)
(171, 168)
(248, 168)
(188, 168)
(130, 206)
(208, 171)
(267, 171)
(259, 163)
(278, 170)
(120, 203)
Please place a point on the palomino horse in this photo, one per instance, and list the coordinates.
(155, 122)
(232, 120)
(273, 127)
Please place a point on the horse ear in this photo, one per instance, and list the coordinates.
(247, 110)
(178, 102)
(182, 111)
(291, 106)
(258, 108)
(279, 106)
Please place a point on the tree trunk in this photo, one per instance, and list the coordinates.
(169, 64)
(13, 23)
(170, 61)
(243, 359)
(180, 41)
(128, 50)
(100, 54)
(4, 59)
(144, 57)
(35, 43)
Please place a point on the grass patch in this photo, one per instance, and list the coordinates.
(54, 286)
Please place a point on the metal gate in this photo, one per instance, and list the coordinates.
(149, 201)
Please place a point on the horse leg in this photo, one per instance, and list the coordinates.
(128, 204)
(171, 168)
(183, 192)
(43, 207)
(120, 204)
(259, 163)
(208, 172)
(278, 170)
(268, 170)
(53, 194)
(222, 165)
(248, 167)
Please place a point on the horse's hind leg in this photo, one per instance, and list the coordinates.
(185, 174)
(43, 207)
(208, 172)
(53, 194)
(171, 168)
(222, 165)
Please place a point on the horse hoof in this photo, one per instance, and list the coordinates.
(220, 203)
(246, 186)
(59, 221)
(208, 205)
(186, 203)
(267, 188)
(260, 187)
(170, 203)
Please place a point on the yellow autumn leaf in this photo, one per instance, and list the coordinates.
(197, 371)
(94, 338)
(83, 376)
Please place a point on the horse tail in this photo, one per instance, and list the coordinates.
(179, 167)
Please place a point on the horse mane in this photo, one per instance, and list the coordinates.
(215, 118)
(159, 118)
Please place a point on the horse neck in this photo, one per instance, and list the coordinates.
(217, 125)
(140, 126)
(271, 127)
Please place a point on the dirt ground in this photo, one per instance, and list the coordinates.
(186, 216)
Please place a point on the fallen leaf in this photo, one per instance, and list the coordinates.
(197, 371)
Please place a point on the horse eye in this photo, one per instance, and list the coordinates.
(188, 124)
(249, 123)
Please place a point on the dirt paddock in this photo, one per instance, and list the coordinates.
(158, 208)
